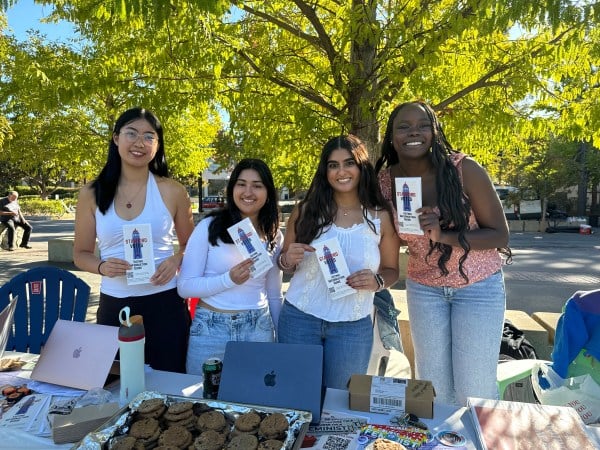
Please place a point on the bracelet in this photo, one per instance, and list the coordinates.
(380, 282)
(283, 265)
(101, 262)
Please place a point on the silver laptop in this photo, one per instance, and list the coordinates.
(6, 321)
(77, 355)
(273, 374)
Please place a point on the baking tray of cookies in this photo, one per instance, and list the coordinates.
(153, 419)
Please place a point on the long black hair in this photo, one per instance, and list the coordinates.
(454, 205)
(318, 209)
(105, 185)
(268, 216)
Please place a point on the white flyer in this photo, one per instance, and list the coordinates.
(248, 243)
(408, 200)
(333, 267)
(24, 414)
(137, 240)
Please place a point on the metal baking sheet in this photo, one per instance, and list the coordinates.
(119, 423)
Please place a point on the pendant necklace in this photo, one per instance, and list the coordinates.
(346, 211)
(128, 205)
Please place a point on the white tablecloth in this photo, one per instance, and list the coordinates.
(445, 417)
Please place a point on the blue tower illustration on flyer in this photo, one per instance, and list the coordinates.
(406, 198)
(246, 241)
(136, 244)
(329, 260)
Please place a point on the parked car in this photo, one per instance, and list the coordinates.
(212, 202)
(528, 207)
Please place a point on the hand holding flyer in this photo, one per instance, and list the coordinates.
(248, 243)
(408, 200)
(333, 266)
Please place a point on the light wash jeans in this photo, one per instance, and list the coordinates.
(211, 330)
(456, 336)
(346, 345)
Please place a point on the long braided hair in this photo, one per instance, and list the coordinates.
(453, 204)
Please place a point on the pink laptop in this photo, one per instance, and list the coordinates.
(77, 355)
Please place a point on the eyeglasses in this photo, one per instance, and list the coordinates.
(132, 136)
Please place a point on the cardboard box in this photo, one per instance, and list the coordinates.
(73, 427)
(391, 395)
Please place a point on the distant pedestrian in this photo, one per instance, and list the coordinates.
(12, 217)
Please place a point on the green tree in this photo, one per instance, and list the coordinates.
(291, 73)
(341, 66)
(60, 104)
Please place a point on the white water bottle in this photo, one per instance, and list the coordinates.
(131, 353)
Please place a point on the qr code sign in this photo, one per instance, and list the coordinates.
(337, 443)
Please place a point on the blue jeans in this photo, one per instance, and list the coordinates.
(211, 330)
(346, 345)
(456, 336)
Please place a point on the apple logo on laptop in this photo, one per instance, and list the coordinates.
(270, 379)
(77, 352)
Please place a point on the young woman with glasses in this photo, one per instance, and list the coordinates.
(133, 188)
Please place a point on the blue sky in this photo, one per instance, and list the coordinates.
(26, 15)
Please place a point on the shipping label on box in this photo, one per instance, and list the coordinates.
(387, 394)
(391, 395)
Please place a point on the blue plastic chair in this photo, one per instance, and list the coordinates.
(45, 294)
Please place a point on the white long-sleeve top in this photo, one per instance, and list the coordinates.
(205, 274)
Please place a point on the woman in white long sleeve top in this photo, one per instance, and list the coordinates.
(233, 306)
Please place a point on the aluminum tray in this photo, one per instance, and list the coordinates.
(119, 423)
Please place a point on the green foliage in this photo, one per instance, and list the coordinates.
(289, 74)
(37, 207)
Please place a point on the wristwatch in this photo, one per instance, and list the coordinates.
(380, 282)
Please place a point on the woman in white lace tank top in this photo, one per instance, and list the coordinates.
(344, 213)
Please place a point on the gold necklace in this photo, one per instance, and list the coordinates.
(346, 211)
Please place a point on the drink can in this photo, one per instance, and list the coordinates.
(211, 369)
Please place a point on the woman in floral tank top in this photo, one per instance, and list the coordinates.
(455, 287)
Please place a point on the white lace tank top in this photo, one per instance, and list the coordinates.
(308, 291)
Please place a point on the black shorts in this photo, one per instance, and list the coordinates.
(166, 323)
